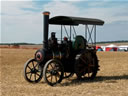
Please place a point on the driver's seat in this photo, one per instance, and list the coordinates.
(80, 43)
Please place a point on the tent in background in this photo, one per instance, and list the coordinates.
(98, 48)
(111, 47)
(103, 48)
(123, 48)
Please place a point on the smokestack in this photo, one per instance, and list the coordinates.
(46, 27)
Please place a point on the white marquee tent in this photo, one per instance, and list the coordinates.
(123, 48)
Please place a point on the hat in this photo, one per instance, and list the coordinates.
(53, 33)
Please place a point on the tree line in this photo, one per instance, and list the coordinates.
(101, 42)
(118, 41)
(17, 44)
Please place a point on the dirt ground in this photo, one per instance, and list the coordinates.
(111, 80)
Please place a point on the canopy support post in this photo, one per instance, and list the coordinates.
(61, 33)
(90, 33)
(74, 30)
(86, 31)
(66, 31)
(70, 32)
(95, 34)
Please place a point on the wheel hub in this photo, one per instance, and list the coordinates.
(54, 72)
(34, 71)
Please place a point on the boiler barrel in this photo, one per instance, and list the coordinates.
(55, 55)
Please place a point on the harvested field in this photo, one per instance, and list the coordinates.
(21, 46)
(111, 80)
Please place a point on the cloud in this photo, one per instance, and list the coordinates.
(15, 7)
(109, 14)
(21, 21)
(17, 0)
(61, 8)
(20, 24)
(113, 13)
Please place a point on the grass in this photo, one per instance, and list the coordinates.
(112, 79)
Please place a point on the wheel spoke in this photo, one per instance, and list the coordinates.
(51, 78)
(36, 66)
(51, 66)
(38, 71)
(35, 76)
(56, 78)
(30, 76)
(58, 75)
(28, 72)
(29, 67)
(83, 60)
(33, 65)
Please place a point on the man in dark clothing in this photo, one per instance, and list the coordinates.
(53, 41)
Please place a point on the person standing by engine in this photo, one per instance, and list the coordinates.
(52, 42)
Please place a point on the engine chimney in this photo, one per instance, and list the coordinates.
(46, 27)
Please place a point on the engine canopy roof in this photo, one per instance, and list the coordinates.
(67, 20)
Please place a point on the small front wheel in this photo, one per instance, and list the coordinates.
(53, 72)
(32, 71)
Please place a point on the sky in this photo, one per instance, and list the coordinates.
(22, 20)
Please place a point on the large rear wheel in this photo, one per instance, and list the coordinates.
(53, 72)
(86, 65)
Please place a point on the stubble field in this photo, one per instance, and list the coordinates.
(111, 80)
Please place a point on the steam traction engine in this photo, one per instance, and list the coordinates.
(59, 60)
